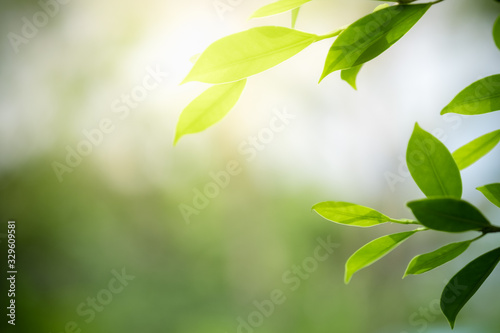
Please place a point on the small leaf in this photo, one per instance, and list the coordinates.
(208, 108)
(425, 262)
(432, 166)
(371, 35)
(353, 215)
(482, 96)
(474, 150)
(381, 6)
(496, 32)
(295, 15)
(448, 214)
(194, 58)
(278, 7)
(373, 251)
(491, 192)
(246, 53)
(466, 282)
(349, 75)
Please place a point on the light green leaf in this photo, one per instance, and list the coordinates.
(491, 192)
(353, 215)
(194, 58)
(278, 7)
(246, 53)
(295, 15)
(466, 282)
(474, 150)
(482, 96)
(448, 214)
(373, 251)
(496, 32)
(381, 6)
(371, 35)
(208, 108)
(425, 262)
(349, 75)
(432, 166)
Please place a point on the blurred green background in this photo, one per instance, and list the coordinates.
(119, 208)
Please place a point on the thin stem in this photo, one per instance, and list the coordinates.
(489, 230)
(404, 221)
(331, 34)
(478, 237)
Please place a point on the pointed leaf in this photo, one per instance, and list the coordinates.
(246, 53)
(349, 75)
(381, 6)
(496, 32)
(278, 7)
(448, 214)
(373, 251)
(491, 192)
(295, 15)
(371, 35)
(353, 215)
(432, 166)
(482, 96)
(425, 262)
(474, 150)
(208, 108)
(466, 282)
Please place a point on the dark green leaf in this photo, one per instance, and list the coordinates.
(278, 7)
(373, 251)
(496, 32)
(432, 166)
(371, 35)
(492, 192)
(349, 75)
(448, 214)
(465, 284)
(482, 96)
(474, 150)
(246, 53)
(353, 215)
(208, 108)
(425, 262)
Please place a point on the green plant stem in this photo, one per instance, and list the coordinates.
(478, 237)
(331, 34)
(490, 230)
(404, 221)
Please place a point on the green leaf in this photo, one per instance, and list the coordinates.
(278, 7)
(466, 282)
(295, 15)
(373, 251)
(474, 150)
(491, 192)
(432, 166)
(381, 6)
(448, 214)
(353, 215)
(246, 53)
(208, 108)
(496, 32)
(425, 262)
(371, 35)
(349, 75)
(482, 96)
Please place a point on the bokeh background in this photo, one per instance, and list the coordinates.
(119, 208)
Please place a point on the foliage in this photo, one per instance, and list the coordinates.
(229, 61)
